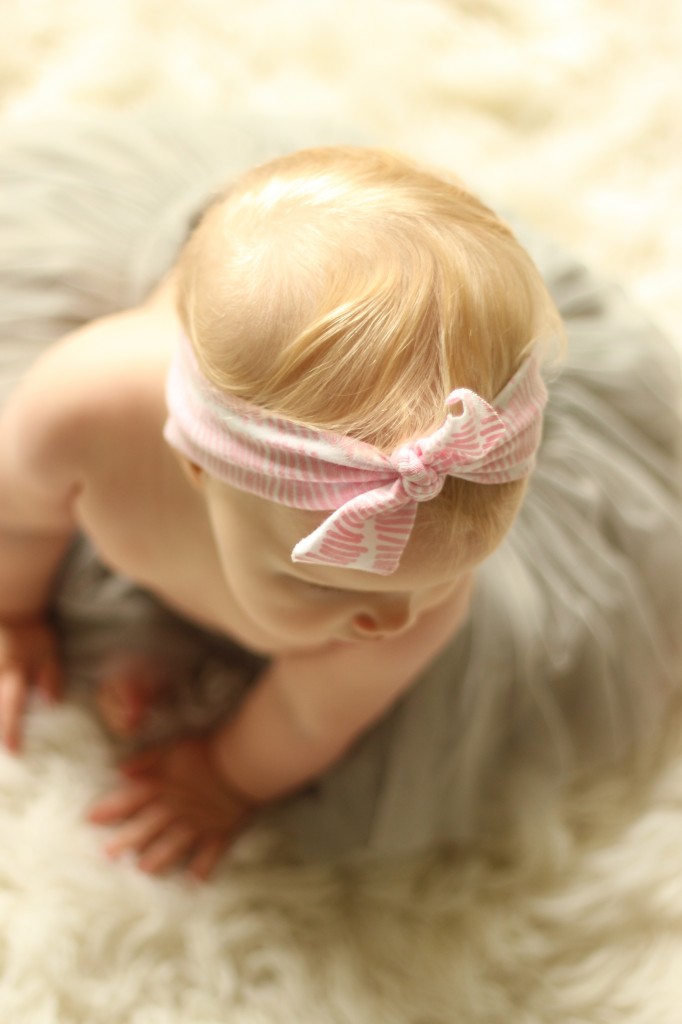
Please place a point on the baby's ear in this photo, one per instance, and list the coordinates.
(194, 473)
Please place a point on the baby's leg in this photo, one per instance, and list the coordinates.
(128, 689)
(141, 694)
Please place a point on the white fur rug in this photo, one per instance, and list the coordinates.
(570, 113)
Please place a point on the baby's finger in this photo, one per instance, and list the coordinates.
(123, 803)
(204, 862)
(146, 826)
(12, 703)
(169, 849)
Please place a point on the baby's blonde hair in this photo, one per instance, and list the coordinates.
(352, 289)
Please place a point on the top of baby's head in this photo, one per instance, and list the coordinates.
(352, 289)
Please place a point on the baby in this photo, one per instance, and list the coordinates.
(307, 439)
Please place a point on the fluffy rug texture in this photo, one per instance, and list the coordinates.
(568, 113)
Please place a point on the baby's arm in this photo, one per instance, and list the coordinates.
(51, 449)
(36, 526)
(307, 710)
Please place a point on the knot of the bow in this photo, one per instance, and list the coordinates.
(420, 482)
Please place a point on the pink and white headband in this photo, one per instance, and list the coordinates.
(373, 496)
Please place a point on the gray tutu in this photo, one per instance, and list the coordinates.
(571, 650)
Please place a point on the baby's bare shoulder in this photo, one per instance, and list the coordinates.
(90, 394)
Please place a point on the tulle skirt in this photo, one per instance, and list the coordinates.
(571, 651)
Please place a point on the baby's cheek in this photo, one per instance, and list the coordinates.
(314, 615)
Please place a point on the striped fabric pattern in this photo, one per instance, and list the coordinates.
(372, 496)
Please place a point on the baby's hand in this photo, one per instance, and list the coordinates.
(28, 658)
(173, 808)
